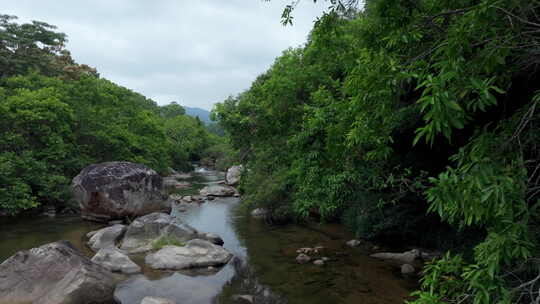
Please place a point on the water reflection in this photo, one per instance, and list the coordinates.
(263, 268)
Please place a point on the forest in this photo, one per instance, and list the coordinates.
(409, 121)
(58, 116)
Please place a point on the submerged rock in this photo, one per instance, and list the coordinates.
(232, 177)
(106, 237)
(196, 253)
(303, 258)
(218, 190)
(54, 273)
(405, 257)
(146, 230)
(115, 190)
(116, 261)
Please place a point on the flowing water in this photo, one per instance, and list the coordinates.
(264, 265)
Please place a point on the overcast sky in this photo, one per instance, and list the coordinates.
(195, 52)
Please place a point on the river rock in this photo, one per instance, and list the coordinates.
(116, 261)
(232, 178)
(144, 231)
(154, 300)
(303, 258)
(405, 257)
(54, 273)
(218, 190)
(115, 190)
(407, 269)
(353, 243)
(106, 237)
(259, 212)
(319, 262)
(244, 299)
(172, 182)
(196, 253)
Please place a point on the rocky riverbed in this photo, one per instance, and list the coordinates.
(261, 268)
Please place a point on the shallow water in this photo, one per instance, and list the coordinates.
(264, 265)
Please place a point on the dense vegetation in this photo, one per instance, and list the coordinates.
(57, 117)
(409, 120)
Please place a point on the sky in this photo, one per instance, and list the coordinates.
(195, 52)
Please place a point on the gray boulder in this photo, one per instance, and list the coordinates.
(116, 261)
(405, 257)
(353, 243)
(196, 253)
(54, 273)
(116, 190)
(259, 212)
(218, 190)
(146, 230)
(232, 177)
(106, 237)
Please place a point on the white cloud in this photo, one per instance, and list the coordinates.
(195, 52)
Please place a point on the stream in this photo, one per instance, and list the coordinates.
(263, 267)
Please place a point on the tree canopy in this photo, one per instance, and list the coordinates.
(409, 116)
(57, 117)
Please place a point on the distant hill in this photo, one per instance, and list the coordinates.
(203, 114)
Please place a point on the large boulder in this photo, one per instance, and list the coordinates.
(116, 190)
(218, 190)
(233, 175)
(145, 231)
(54, 273)
(106, 237)
(116, 261)
(196, 253)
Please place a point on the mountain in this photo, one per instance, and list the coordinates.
(203, 114)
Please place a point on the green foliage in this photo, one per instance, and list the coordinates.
(352, 125)
(52, 127)
(166, 241)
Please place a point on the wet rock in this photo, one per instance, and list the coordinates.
(154, 300)
(259, 212)
(405, 257)
(54, 273)
(303, 258)
(144, 231)
(210, 198)
(196, 253)
(353, 243)
(243, 299)
(106, 237)
(309, 250)
(233, 175)
(217, 190)
(319, 262)
(116, 261)
(115, 190)
(407, 269)
(213, 238)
